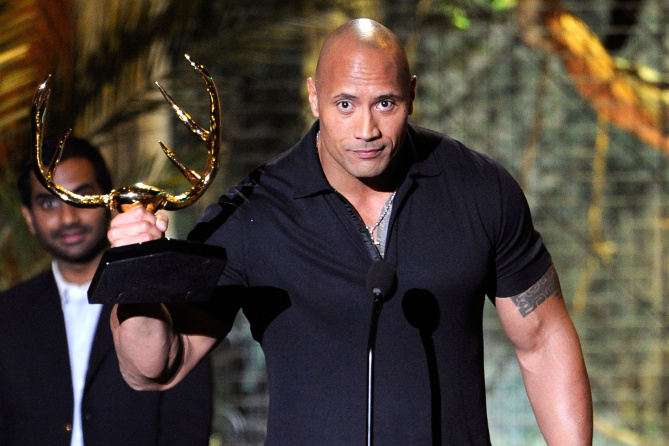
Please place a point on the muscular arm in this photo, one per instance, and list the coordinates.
(157, 344)
(551, 361)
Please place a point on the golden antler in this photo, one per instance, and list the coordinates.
(150, 197)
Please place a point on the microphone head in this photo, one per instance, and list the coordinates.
(381, 278)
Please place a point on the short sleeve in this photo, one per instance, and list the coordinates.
(520, 255)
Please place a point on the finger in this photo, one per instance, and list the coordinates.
(129, 234)
(116, 242)
(135, 226)
(162, 221)
(134, 214)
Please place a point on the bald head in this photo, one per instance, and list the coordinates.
(365, 34)
(362, 95)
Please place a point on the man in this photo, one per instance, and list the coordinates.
(60, 382)
(301, 233)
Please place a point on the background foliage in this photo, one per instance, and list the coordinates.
(598, 191)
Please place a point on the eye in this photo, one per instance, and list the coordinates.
(49, 204)
(344, 106)
(386, 104)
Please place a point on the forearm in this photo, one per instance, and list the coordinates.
(148, 349)
(557, 385)
(551, 360)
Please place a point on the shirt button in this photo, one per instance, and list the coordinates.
(67, 428)
(88, 416)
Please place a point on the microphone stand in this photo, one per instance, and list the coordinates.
(376, 311)
(380, 281)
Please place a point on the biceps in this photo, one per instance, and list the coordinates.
(529, 317)
(546, 287)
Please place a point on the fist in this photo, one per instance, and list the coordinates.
(136, 225)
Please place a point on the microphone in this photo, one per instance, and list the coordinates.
(381, 279)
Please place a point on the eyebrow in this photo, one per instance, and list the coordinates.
(84, 187)
(382, 97)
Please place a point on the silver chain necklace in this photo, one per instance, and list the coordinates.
(384, 212)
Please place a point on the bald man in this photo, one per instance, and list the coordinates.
(301, 234)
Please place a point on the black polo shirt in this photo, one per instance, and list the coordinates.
(298, 255)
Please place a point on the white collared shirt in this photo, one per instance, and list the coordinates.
(81, 320)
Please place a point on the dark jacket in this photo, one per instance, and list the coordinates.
(36, 396)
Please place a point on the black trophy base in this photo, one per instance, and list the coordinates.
(163, 270)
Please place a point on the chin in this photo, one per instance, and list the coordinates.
(371, 174)
(80, 256)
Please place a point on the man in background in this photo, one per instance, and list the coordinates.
(60, 382)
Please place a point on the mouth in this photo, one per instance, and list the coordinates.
(71, 236)
(368, 153)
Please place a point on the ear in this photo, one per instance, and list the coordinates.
(412, 93)
(27, 214)
(313, 97)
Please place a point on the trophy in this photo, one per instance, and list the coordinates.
(164, 270)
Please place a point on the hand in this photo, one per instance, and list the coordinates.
(136, 225)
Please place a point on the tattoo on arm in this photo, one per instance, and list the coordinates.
(545, 287)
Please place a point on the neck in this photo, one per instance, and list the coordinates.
(78, 273)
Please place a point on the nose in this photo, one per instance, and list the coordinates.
(69, 214)
(367, 128)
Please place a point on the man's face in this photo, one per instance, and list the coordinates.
(363, 103)
(70, 234)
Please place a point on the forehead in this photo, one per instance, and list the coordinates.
(357, 67)
(70, 174)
